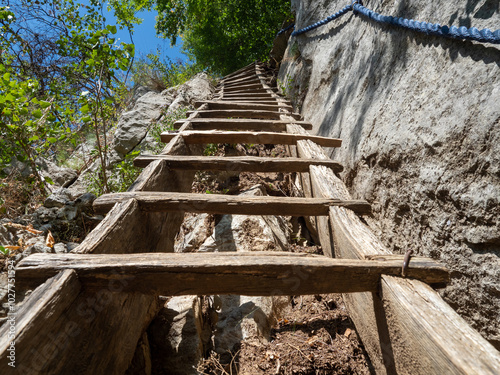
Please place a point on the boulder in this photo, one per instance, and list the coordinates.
(176, 336)
(248, 233)
(133, 125)
(58, 198)
(197, 88)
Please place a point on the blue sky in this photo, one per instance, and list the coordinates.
(146, 41)
(145, 38)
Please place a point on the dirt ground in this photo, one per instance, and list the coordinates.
(315, 337)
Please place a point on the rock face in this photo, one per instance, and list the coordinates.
(133, 125)
(420, 124)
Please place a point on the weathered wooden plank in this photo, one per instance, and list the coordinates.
(204, 137)
(243, 113)
(240, 87)
(237, 81)
(238, 105)
(248, 68)
(236, 163)
(240, 124)
(41, 309)
(249, 100)
(228, 204)
(254, 274)
(262, 95)
(411, 330)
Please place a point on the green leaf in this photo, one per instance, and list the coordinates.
(34, 138)
(111, 28)
(37, 113)
(6, 76)
(44, 104)
(52, 139)
(86, 119)
(48, 180)
(4, 250)
(85, 109)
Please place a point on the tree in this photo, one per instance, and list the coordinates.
(223, 35)
(59, 66)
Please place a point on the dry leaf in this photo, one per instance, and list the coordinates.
(30, 229)
(12, 248)
(347, 332)
(50, 240)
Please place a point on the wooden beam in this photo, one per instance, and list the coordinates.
(410, 329)
(249, 100)
(254, 274)
(204, 137)
(234, 82)
(213, 104)
(227, 204)
(250, 95)
(237, 163)
(246, 86)
(41, 309)
(240, 124)
(242, 113)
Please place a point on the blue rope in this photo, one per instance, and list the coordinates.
(323, 22)
(485, 35)
(285, 29)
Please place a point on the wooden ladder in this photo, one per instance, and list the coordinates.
(89, 308)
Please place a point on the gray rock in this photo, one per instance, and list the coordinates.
(179, 344)
(71, 246)
(58, 198)
(59, 175)
(85, 201)
(418, 117)
(6, 237)
(133, 125)
(45, 214)
(67, 213)
(60, 248)
(248, 233)
(197, 88)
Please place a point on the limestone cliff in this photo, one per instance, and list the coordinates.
(420, 121)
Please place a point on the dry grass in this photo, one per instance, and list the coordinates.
(18, 197)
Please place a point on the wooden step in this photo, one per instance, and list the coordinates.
(260, 96)
(250, 99)
(242, 113)
(243, 273)
(228, 204)
(248, 91)
(237, 163)
(228, 89)
(263, 95)
(214, 136)
(215, 104)
(241, 81)
(240, 124)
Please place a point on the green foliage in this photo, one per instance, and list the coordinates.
(211, 149)
(159, 74)
(223, 35)
(60, 67)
